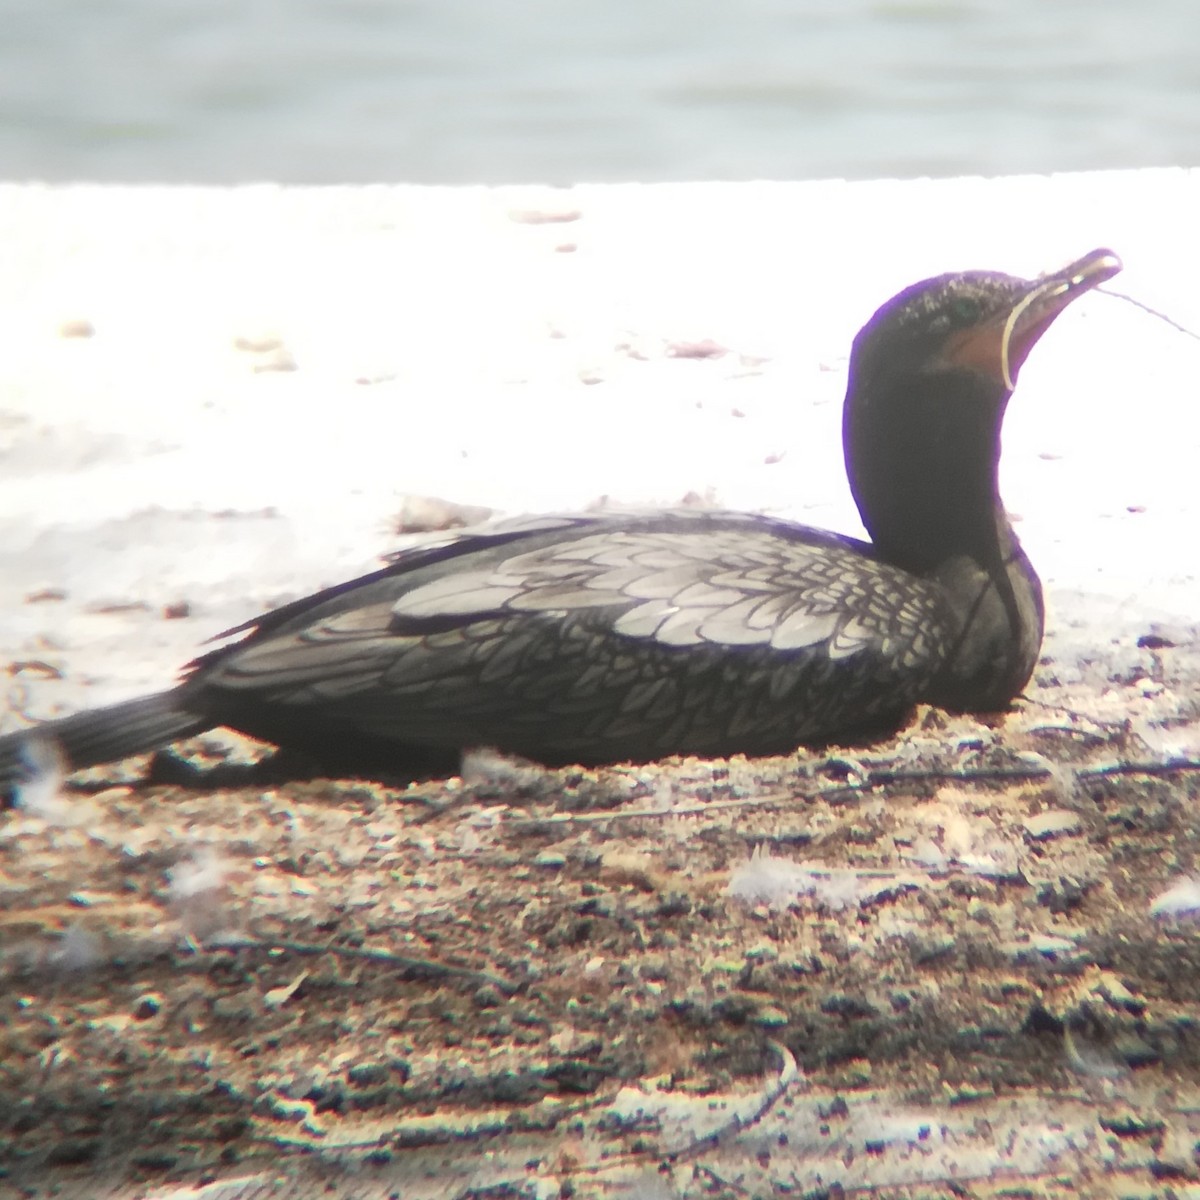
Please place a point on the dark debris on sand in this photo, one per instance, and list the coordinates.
(893, 967)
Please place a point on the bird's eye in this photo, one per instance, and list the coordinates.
(965, 310)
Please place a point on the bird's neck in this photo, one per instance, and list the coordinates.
(923, 466)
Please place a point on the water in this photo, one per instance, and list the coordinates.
(476, 91)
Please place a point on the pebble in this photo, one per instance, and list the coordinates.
(430, 514)
(147, 1006)
(368, 1074)
(487, 996)
(1052, 823)
(1180, 899)
(544, 216)
(770, 1017)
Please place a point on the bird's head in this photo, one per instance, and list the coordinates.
(930, 375)
(982, 322)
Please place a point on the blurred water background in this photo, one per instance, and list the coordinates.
(494, 91)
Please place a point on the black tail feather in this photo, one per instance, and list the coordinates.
(99, 736)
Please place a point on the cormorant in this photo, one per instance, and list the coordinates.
(600, 638)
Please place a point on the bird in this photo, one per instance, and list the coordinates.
(595, 638)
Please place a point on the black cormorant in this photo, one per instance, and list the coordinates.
(599, 638)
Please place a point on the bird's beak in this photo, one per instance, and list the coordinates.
(1000, 344)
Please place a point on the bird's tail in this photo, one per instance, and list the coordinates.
(99, 736)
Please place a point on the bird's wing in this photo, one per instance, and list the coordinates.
(710, 586)
(674, 634)
(428, 552)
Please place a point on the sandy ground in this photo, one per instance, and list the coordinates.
(964, 954)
